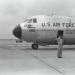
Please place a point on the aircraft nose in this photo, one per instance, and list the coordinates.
(17, 31)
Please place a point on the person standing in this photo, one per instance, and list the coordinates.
(60, 47)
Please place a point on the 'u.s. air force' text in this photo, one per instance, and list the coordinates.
(57, 24)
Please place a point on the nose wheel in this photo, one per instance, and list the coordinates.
(34, 46)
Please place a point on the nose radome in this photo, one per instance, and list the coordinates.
(17, 31)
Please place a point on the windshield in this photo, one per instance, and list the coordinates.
(26, 20)
(34, 20)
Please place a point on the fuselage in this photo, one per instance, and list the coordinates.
(43, 30)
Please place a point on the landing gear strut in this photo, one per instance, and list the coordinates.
(34, 46)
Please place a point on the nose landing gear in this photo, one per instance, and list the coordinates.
(35, 46)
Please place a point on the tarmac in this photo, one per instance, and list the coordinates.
(20, 59)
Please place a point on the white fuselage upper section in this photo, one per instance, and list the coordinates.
(50, 22)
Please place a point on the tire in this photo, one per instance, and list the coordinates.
(34, 46)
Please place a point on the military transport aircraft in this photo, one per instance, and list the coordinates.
(43, 30)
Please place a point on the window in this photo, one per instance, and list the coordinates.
(26, 20)
(30, 21)
(34, 20)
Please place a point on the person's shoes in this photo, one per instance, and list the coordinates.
(59, 57)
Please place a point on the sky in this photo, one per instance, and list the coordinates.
(13, 12)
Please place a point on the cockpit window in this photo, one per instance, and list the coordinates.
(26, 20)
(30, 21)
(34, 20)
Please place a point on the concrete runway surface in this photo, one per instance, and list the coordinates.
(20, 59)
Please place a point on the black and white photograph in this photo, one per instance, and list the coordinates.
(37, 37)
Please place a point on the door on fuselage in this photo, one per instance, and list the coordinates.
(60, 33)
